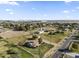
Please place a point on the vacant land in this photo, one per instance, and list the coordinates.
(14, 36)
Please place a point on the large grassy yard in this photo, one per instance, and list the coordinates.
(19, 52)
(6, 45)
(54, 38)
(39, 51)
(22, 53)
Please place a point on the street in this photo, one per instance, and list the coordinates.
(65, 44)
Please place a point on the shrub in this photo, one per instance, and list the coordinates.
(1, 37)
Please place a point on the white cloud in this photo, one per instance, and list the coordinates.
(77, 7)
(67, 1)
(45, 15)
(66, 11)
(9, 2)
(69, 11)
(7, 9)
(73, 10)
(11, 13)
(33, 8)
(26, 1)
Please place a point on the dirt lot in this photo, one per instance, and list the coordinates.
(14, 36)
(9, 34)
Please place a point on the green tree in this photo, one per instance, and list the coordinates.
(40, 40)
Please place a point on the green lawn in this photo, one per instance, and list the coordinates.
(54, 38)
(24, 54)
(39, 51)
(20, 53)
(75, 47)
(4, 46)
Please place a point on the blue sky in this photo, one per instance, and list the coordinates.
(40, 10)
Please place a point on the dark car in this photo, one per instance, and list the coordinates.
(64, 50)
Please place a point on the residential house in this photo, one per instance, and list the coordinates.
(32, 42)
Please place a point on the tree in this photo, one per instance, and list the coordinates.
(51, 33)
(35, 36)
(1, 37)
(75, 46)
(11, 51)
(40, 40)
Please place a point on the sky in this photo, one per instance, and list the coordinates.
(39, 10)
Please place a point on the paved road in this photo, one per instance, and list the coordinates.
(57, 54)
(66, 43)
(64, 46)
